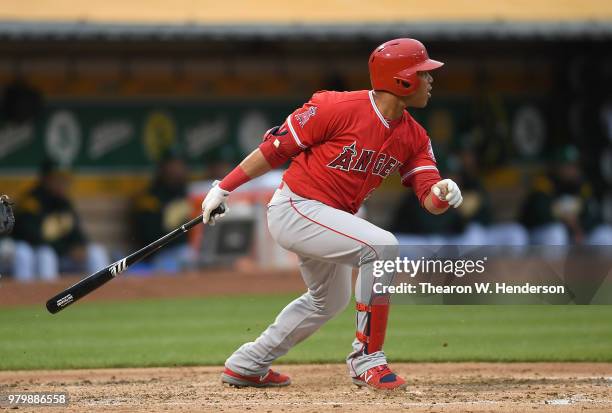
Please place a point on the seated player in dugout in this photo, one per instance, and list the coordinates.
(341, 146)
(160, 209)
(561, 208)
(48, 235)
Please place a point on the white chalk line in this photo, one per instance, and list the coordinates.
(567, 401)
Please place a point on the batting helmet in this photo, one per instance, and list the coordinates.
(394, 65)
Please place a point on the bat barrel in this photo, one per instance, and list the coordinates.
(89, 284)
(78, 290)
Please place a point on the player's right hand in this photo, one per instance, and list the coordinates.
(214, 198)
(447, 190)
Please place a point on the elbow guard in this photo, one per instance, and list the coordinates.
(278, 147)
(272, 155)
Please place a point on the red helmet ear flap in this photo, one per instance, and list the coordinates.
(402, 83)
(407, 84)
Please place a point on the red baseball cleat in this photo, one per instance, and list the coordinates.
(380, 378)
(270, 379)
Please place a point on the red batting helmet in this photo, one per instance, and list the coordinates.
(394, 66)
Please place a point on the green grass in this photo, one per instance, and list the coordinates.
(205, 331)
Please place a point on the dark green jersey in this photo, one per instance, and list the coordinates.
(551, 200)
(44, 218)
(158, 211)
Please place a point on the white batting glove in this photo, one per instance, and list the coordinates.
(214, 198)
(447, 190)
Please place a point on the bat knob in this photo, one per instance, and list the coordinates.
(218, 210)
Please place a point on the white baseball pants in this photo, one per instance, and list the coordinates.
(328, 242)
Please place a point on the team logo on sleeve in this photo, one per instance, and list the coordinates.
(303, 117)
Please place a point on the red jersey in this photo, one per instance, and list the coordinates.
(343, 148)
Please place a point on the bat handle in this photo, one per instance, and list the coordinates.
(218, 211)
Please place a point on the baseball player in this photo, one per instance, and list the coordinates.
(7, 218)
(341, 146)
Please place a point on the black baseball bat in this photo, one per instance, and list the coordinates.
(96, 280)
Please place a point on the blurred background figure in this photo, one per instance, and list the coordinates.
(7, 221)
(561, 208)
(48, 233)
(162, 208)
(99, 89)
(471, 224)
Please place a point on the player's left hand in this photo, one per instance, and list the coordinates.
(214, 198)
(447, 190)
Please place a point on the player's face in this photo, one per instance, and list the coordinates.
(423, 93)
(421, 96)
(58, 184)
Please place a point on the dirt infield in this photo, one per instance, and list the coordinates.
(452, 387)
(456, 387)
